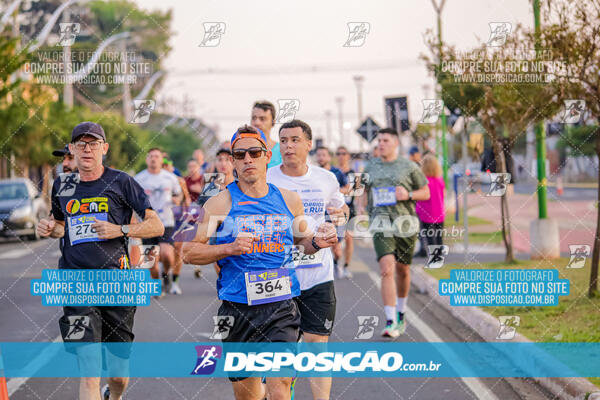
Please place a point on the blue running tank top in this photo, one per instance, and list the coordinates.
(270, 219)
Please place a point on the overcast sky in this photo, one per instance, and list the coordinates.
(277, 35)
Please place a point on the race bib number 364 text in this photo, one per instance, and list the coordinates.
(268, 286)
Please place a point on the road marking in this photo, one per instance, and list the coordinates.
(21, 251)
(15, 383)
(358, 266)
(16, 253)
(479, 389)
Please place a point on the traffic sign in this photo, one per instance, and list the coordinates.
(396, 113)
(368, 129)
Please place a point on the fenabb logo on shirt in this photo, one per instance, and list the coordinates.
(87, 205)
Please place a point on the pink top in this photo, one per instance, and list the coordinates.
(432, 210)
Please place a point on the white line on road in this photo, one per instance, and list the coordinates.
(480, 390)
(16, 253)
(15, 383)
(21, 251)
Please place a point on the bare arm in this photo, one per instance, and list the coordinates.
(184, 197)
(361, 203)
(51, 227)
(198, 251)
(326, 235)
(345, 189)
(417, 195)
(59, 230)
(151, 226)
(422, 194)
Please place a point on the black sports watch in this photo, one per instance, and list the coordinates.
(125, 230)
(315, 245)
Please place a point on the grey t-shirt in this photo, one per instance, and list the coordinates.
(382, 180)
(160, 189)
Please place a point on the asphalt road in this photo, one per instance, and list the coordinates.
(569, 193)
(188, 318)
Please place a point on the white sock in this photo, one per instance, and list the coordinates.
(401, 304)
(390, 313)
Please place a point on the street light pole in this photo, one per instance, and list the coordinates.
(438, 10)
(544, 234)
(340, 105)
(126, 99)
(540, 134)
(358, 80)
(68, 88)
(328, 128)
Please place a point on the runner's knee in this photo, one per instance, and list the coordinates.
(402, 270)
(279, 388)
(119, 383)
(387, 270)
(91, 382)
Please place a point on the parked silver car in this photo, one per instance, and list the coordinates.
(21, 207)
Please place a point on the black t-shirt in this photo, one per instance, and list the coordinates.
(113, 197)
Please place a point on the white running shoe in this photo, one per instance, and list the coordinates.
(175, 289)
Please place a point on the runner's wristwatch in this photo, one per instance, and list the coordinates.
(315, 245)
(410, 195)
(125, 230)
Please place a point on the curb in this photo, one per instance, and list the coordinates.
(487, 327)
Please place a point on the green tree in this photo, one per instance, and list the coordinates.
(503, 106)
(179, 143)
(575, 39)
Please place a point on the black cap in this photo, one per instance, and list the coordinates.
(61, 152)
(223, 150)
(88, 128)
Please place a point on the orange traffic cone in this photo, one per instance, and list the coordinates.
(3, 387)
(559, 186)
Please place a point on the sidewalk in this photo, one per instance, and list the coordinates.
(576, 219)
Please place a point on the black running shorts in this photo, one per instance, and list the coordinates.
(98, 324)
(317, 309)
(271, 322)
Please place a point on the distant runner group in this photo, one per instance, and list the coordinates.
(275, 227)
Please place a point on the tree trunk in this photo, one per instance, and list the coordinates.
(506, 232)
(593, 287)
(46, 178)
(505, 216)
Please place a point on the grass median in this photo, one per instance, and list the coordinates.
(576, 318)
(482, 233)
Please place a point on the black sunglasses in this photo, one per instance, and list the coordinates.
(255, 152)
